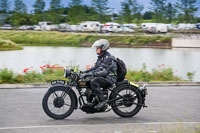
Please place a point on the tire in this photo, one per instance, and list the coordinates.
(135, 98)
(58, 102)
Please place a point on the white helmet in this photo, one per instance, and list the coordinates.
(101, 43)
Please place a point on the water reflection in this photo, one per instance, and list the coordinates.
(181, 60)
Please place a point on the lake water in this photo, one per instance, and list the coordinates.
(181, 60)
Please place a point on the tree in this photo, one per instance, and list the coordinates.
(131, 10)
(55, 4)
(20, 7)
(148, 15)
(4, 9)
(126, 11)
(75, 13)
(75, 3)
(158, 8)
(187, 9)
(101, 8)
(170, 12)
(137, 9)
(4, 6)
(54, 14)
(39, 6)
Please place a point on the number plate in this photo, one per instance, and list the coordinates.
(62, 82)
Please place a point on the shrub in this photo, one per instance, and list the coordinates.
(6, 76)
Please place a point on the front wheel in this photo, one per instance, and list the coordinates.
(58, 102)
(129, 101)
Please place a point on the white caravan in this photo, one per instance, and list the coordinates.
(132, 26)
(91, 26)
(112, 27)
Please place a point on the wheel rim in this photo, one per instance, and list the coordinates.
(59, 104)
(129, 101)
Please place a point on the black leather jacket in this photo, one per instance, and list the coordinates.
(105, 67)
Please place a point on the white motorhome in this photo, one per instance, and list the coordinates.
(155, 27)
(91, 26)
(171, 27)
(37, 27)
(112, 27)
(47, 25)
(132, 26)
(161, 28)
(50, 27)
(183, 26)
(44, 23)
(75, 28)
(6, 27)
(64, 27)
(148, 25)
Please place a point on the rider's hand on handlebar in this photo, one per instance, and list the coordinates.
(82, 75)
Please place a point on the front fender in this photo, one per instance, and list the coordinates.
(65, 88)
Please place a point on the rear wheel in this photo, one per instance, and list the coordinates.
(129, 101)
(58, 103)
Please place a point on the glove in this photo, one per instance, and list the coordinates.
(85, 75)
(82, 75)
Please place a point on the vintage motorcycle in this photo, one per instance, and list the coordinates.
(124, 98)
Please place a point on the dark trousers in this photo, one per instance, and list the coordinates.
(96, 84)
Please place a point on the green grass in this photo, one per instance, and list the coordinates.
(6, 45)
(161, 74)
(49, 73)
(53, 38)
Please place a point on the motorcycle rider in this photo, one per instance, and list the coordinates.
(104, 71)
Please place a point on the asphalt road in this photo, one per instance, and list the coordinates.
(21, 111)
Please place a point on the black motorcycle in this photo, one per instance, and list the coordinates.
(124, 98)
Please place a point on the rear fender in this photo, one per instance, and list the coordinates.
(139, 89)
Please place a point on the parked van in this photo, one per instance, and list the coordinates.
(198, 25)
(90, 26)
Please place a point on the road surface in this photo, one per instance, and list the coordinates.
(21, 112)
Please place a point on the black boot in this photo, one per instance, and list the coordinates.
(101, 103)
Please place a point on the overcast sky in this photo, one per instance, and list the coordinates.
(115, 4)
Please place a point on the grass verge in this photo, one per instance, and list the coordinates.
(53, 38)
(6, 45)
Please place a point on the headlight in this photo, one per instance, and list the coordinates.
(67, 73)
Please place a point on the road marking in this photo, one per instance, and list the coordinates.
(84, 125)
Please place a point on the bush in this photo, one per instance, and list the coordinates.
(162, 74)
(6, 76)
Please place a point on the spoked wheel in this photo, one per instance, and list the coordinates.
(129, 101)
(58, 103)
